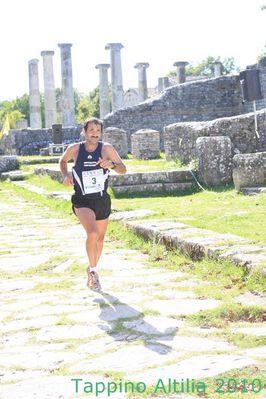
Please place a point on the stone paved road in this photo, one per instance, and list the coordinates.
(53, 329)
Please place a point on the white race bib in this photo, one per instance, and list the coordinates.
(93, 181)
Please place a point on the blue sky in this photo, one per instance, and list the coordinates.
(158, 32)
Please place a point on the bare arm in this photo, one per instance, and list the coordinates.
(68, 155)
(112, 160)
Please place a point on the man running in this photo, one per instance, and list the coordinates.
(90, 202)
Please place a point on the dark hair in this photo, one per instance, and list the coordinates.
(97, 121)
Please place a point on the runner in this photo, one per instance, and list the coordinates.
(90, 202)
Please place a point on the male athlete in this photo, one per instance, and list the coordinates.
(90, 202)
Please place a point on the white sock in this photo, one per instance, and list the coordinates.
(94, 269)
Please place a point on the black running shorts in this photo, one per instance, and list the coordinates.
(100, 206)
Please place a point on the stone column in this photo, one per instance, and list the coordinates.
(34, 95)
(163, 83)
(218, 69)
(180, 71)
(116, 75)
(103, 89)
(142, 81)
(49, 88)
(68, 107)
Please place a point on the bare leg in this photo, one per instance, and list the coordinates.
(87, 219)
(94, 244)
(102, 226)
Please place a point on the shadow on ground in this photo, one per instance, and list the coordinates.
(131, 324)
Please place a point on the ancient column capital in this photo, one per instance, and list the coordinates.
(142, 65)
(64, 45)
(47, 52)
(218, 68)
(114, 46)
(102, 66)
(180, 63)
(33, 61)
(217, 63)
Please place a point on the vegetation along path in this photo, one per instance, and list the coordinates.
(167, 328)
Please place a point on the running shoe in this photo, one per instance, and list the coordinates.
(93, 281)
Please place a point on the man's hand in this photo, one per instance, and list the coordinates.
(105, 163)
(68, 180)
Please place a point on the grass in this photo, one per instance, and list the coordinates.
(227, 313)
(160, 164)
(50, 185)
(35, 160)
(64, 320)
(226, 279)
(45, 267)
(247, 383)
(28, 163)
(222, 210)
(52, 287)
(244, 341)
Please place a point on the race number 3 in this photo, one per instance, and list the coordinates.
(93, 181)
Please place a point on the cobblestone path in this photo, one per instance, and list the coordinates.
(59, 339)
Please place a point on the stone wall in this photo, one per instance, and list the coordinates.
(201, 100)
(180, 138)
(30, 141)
(191, 101)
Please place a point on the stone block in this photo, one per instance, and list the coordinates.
(248, 170)
(214, 158)
(118, 138)
(180, 140)
(146, 144)
(7, 163)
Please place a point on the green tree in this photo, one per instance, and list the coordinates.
(263, 54)
(87, 106)
(206, 67)
(10, 108)
(22, 105)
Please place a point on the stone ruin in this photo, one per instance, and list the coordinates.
(190, 117)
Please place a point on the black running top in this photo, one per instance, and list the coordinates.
(89, 178)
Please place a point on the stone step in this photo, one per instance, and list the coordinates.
(253, 190)
(140, 178)
(152, 187)
(198, 243)
(16, 175)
